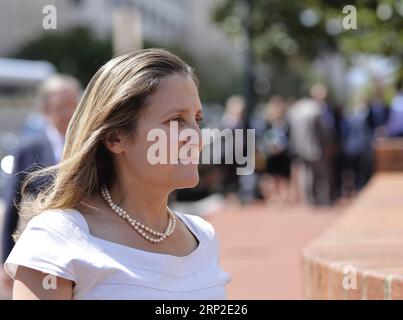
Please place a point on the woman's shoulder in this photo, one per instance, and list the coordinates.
(199, 225)
(50, 242)
(61, 220)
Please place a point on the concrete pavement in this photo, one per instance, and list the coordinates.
(261, 247)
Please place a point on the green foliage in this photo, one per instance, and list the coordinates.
(278, 31)
(282, 32)
(218, 78)
(80, 53)
(275, 28)
(77, 52)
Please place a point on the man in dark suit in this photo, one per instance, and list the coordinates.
(378, 111)
(58, 98)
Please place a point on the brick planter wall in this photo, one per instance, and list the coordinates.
(389, 154)
(363, 248)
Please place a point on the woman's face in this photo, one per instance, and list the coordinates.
(175, 102)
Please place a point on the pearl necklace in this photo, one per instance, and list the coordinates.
(139, 227)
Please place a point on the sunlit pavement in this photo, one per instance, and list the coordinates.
(261, 247)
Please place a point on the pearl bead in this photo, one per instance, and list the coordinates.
(137, 226)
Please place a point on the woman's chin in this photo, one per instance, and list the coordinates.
(187, 179)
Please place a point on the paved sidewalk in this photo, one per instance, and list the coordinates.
(261, 247)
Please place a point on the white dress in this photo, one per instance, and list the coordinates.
(58, 242)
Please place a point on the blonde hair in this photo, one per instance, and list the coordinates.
(112, 101)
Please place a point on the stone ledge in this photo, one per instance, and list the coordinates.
(388, 154)
(365, 246)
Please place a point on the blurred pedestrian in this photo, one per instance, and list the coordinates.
(274, 145)
(357, 149)
(308, 144)
(58, 97)
(378, 112)
(233, 118)
(394, 126)
(331, 122)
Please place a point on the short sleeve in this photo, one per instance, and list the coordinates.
(209, 232)
(45, 246)
(201, 226)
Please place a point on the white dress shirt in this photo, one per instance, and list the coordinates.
(56, 141)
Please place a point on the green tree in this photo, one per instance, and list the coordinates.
(289, 34)
(77, 52)
(80, 53)
(218, 78)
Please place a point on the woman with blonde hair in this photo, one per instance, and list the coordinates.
(102, 228)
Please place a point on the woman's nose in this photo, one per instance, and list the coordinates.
(191, 136)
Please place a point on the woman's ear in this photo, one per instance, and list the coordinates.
(114, 141)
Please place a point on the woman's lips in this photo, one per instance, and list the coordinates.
(188, 160)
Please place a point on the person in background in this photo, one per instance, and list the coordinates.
(394, 127)
(274, 145)
(330, 122)
(233, 118)
(307, 146)
(378, 112)
(357, 149)
(58, 97)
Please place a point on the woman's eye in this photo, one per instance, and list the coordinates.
(176, 119)
(181, 120)
(200, 121)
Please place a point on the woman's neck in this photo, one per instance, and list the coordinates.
(145, 206)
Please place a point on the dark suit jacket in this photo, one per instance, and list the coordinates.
(32, 155)
(373, 121)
